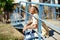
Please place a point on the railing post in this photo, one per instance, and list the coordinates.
(16, 10)
(39, 21)
(13, 11)
(54, 11)
(27, 6)
(20, 8)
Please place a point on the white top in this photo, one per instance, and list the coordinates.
(34, 20)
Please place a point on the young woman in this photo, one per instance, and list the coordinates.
(33, 23)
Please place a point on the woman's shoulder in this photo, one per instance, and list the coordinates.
(36, 15)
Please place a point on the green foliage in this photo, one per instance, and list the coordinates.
(6, 5)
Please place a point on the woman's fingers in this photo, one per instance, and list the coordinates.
(24, 29)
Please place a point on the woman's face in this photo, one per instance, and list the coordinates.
(32, 10)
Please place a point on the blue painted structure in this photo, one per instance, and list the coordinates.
(54, 11)
(39, 21)
(16, 20)
(40, 15)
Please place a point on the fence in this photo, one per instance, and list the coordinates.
(40, 6)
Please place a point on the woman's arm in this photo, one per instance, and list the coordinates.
(29, 22)
(27, 25)
(32, 26)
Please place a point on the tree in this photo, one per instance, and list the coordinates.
(6, 6)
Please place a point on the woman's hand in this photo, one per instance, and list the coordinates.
(25, 28)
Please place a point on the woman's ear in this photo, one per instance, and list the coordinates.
(36, 11)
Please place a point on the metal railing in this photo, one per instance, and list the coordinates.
(40, 7)
(40, 14)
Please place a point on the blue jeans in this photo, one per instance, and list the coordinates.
(29, 35)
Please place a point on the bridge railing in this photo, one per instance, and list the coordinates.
(41, 9)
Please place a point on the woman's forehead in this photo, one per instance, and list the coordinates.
(32, 8)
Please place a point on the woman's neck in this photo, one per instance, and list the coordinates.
(33, 13)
